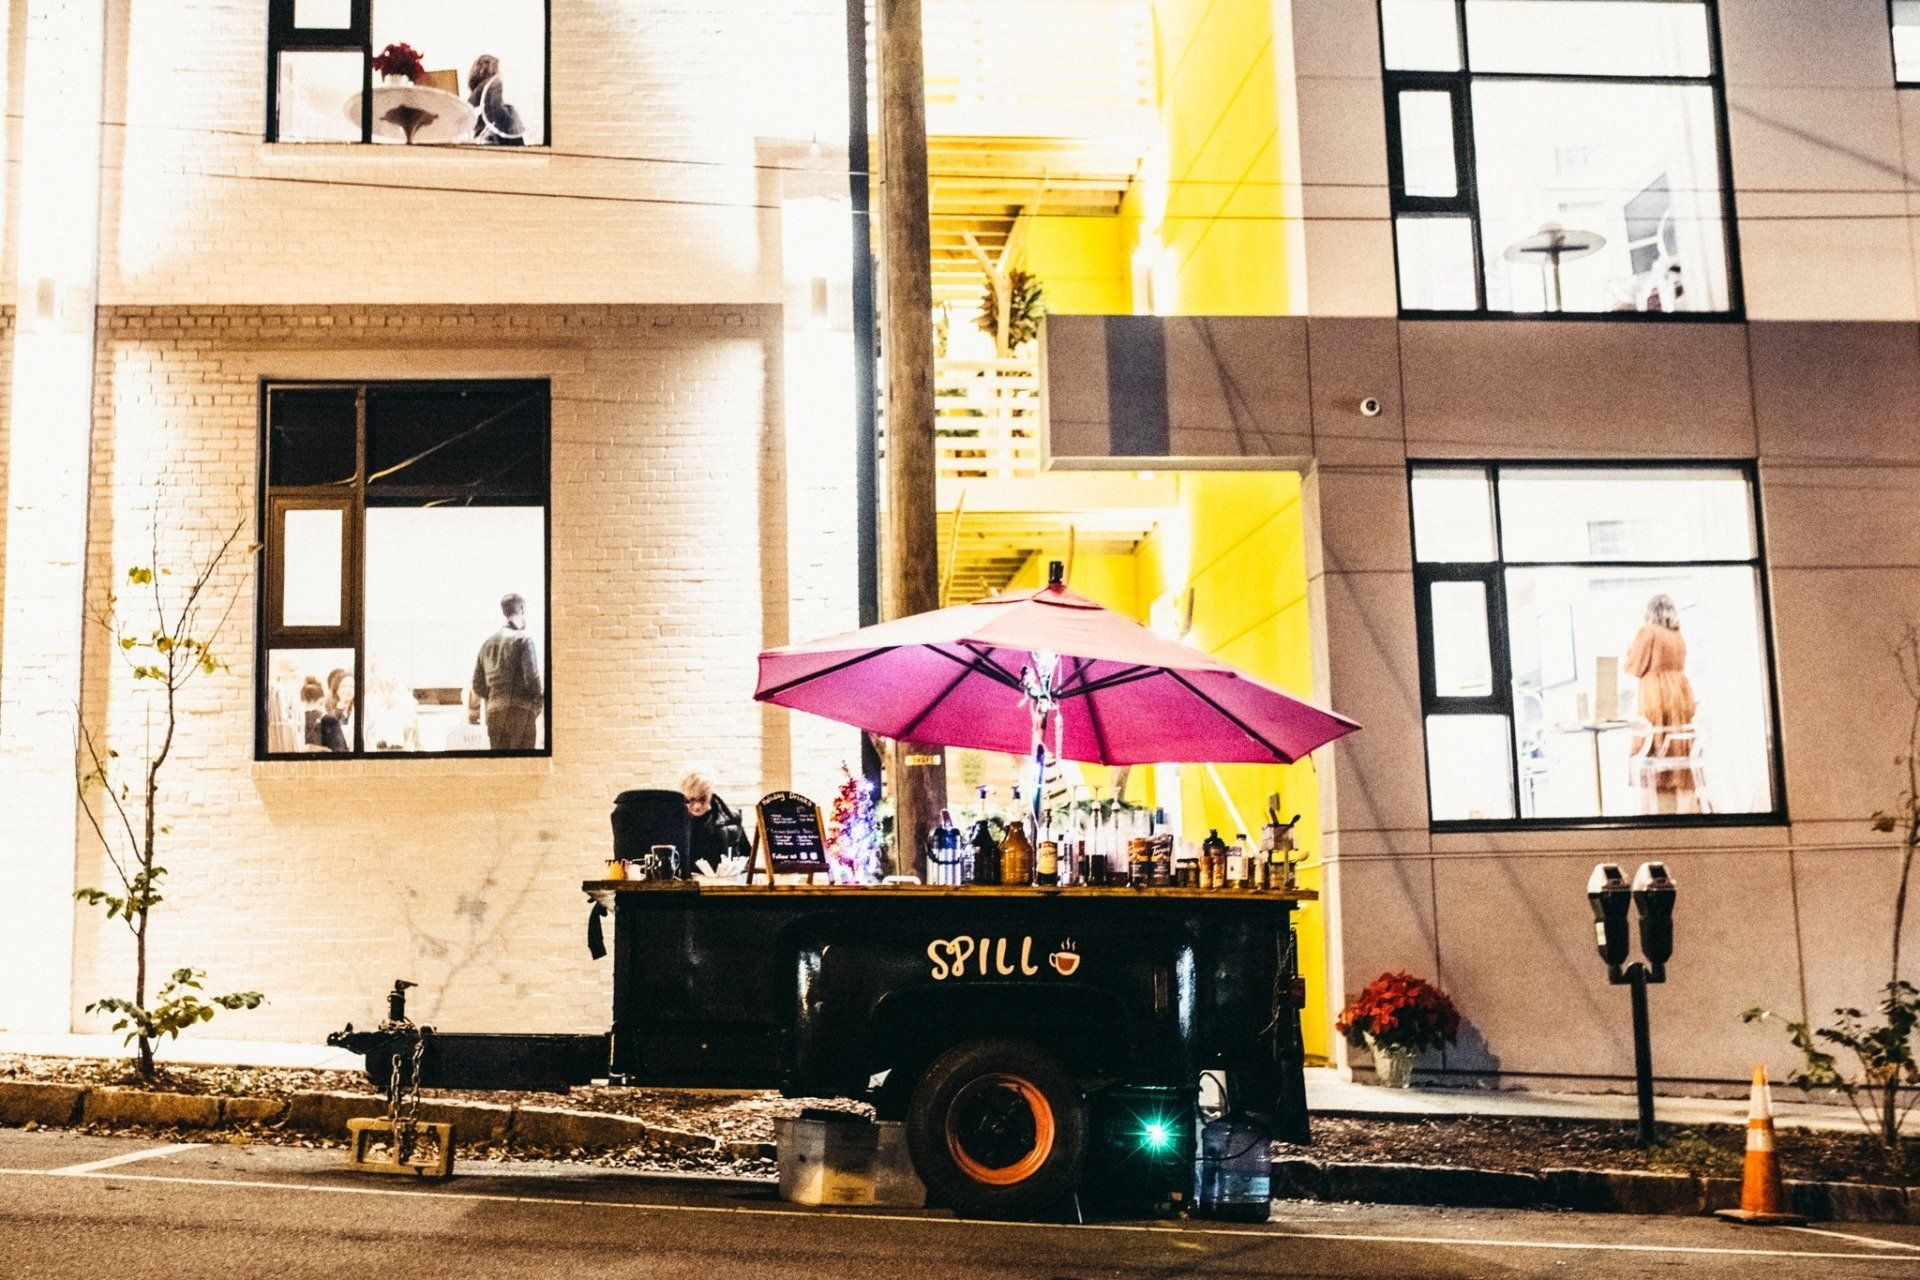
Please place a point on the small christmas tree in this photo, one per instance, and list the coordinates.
(854, 847)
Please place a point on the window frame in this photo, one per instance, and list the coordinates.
(1467, 201)
(1500, 703)
(351, 496)
(284, 37)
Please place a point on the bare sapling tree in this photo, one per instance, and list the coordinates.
(166, 630)
(1882, 1081)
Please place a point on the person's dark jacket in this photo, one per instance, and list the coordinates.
(498, 123)
(333, 733)
(717, 834)
(507, 672)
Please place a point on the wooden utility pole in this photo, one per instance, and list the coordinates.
(910, 556)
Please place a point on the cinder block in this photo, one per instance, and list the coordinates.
(29, 1102)
(252, 1111)
(1625, 1191)
(117, 1107)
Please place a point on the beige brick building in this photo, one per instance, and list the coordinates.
(656, 269)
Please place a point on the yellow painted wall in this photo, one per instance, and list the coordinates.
(1220, 113)
(1240, 546)
(1082, 264)
(1203, 217)
(1237, 540)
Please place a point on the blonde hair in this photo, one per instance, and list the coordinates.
(1663, 612)
(698, 780)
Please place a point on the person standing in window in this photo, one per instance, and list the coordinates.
(1663, 754)
(336, 733)
(497, 123)
(506, 679)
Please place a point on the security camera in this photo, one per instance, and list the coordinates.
(1370, 407)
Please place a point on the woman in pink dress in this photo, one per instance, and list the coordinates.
(1662, 754)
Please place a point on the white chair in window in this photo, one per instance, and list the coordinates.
(1671, 762)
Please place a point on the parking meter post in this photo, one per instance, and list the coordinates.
(1637, 976)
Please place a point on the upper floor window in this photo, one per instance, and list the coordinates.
(1557, 156)
(408, 71)
(1906, 41)
(1593, 644)
(404, 600)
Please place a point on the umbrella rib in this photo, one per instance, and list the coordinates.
(1240, 724)
(1131, 674)
(906, 733)
(1093, 712)
(858, 658)
(985, 665)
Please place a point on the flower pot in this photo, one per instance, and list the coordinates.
(1392, 1065)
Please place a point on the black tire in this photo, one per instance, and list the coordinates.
(998, 1129)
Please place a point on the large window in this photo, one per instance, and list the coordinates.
(1551, 156)
(449, 72)
(1593, 644)
(404, 599)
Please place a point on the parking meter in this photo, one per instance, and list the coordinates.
(1653, 895)
(1608, 894)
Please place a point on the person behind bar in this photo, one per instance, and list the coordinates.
(717, 830)
(506, 679)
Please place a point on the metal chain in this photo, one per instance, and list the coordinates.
(403, 1091)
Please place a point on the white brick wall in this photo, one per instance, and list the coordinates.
(197, 209)
(319, 882)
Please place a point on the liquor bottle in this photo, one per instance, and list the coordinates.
(1213, 861)
(986, 850)
(1016, 854)
(1046, 863)
(1237, 863)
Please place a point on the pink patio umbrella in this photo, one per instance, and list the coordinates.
(1096, 687)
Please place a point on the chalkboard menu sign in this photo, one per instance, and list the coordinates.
(791, 834)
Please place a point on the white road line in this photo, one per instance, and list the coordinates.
(1280, 1234)
(1875, 1241)
(114, 1162)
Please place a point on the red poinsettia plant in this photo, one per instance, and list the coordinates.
(400, 60)
(1400, 1011)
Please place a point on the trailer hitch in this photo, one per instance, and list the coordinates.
(394, 1143)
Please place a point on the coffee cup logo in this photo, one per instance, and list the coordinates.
(1065, 960)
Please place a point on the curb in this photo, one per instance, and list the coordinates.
(48, 1106)
(1585, 1190)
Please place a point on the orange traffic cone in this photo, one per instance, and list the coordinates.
(1763, 1201)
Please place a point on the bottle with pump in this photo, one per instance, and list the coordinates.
(946, 865)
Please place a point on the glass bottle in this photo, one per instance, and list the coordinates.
(1016, 854)
(986, 850)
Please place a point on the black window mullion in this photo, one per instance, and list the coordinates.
(1500, 701)
(358, 572)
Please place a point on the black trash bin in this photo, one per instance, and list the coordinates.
(643, 819)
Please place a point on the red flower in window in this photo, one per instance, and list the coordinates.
(400, 60)
(1400, 1011)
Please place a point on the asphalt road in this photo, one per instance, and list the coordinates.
(76, 1207)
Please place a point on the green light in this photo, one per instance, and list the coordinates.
(1157, 1136)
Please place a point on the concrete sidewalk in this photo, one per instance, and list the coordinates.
(1328, 1092)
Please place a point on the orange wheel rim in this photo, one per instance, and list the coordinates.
(999, 1129)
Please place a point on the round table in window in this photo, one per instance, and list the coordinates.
(417, 113)
(1550, 246)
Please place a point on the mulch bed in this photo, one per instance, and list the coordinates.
(726, 1115)
(1519, 1145)
(1529, 1145)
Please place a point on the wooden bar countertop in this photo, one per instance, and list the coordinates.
(909, 891)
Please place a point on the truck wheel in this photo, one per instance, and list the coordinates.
(997, 1129)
